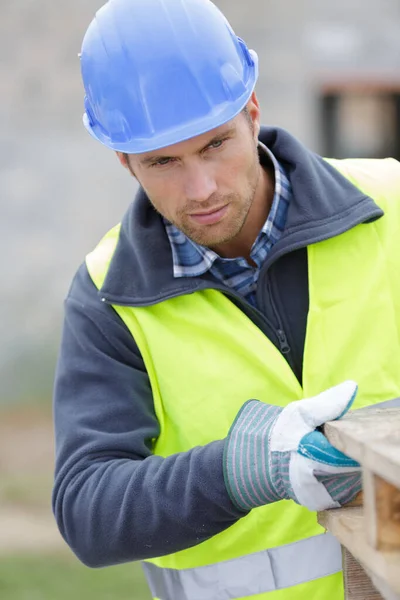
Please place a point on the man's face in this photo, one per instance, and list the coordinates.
(206, 185)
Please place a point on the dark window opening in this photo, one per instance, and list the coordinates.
(360, 122)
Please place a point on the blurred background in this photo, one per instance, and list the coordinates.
(329, 73)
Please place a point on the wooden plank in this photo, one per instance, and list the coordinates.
(383, 457)
(357, 584)
(371, 525)
(372, 437)
(382, 512)
(363, 427)
(370, 536)
(357, 501)
(348, 526)
(381, 585)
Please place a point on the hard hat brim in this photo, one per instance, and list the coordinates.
(223, 114)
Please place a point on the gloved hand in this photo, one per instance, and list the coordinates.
(273, 453)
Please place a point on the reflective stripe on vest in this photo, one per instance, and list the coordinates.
(257, 573)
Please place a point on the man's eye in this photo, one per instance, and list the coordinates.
(162, 162)
(216, 144)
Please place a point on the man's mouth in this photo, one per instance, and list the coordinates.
(210, 217)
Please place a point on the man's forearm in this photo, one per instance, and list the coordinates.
(112, 510)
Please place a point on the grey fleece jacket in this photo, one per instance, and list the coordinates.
(114, 501)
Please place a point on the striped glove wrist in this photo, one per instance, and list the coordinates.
(252, 474)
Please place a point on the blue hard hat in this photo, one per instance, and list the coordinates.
(157, 72)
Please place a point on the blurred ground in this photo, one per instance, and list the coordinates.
(35, 563)
(26, 466)
(50, 576)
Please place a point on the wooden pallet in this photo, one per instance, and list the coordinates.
(370, 533)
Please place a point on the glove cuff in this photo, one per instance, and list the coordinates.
(247, 468)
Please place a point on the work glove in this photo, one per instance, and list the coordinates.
(273, 453)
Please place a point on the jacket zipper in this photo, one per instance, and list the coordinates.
(257, 316)
(283, 343)
(278, 329)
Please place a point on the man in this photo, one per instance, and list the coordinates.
(250, 294)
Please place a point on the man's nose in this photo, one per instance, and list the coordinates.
(199, 184)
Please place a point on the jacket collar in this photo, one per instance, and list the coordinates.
(324, 204)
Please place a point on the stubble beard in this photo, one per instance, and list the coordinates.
(224, 231)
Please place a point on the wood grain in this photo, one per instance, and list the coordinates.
(357, 584)
(349, 527)
(357, 501)
(370, 536)
(382, 512)
(361, 429)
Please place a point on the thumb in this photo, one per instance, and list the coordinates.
(330, 405)
(315, 446)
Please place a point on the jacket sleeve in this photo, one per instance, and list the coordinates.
(114, 501)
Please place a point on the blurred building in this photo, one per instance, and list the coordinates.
(330, 70)
(329, 73)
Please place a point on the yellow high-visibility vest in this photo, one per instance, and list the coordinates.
(205, 358)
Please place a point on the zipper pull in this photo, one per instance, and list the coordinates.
(283, 343)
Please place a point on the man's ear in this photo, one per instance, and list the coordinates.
(253, 109)
(123, 159)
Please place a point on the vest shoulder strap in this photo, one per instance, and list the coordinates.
(98, 261)
(376, 177)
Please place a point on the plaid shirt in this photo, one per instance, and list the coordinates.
(191, 259)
